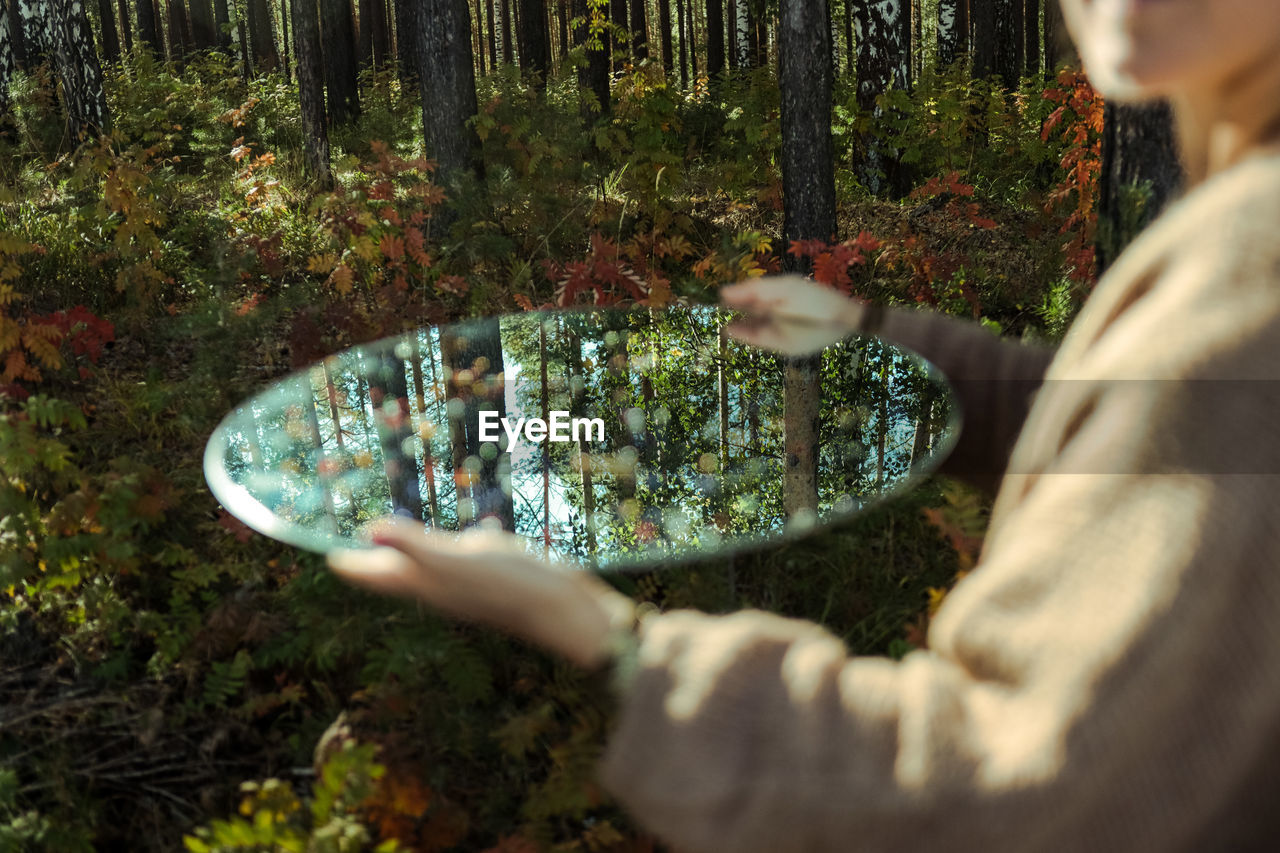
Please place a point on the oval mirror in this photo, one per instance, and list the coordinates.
(617, 438)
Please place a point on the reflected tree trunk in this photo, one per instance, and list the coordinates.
(801, 391)
(428, 459)
(722, 396)
(577, 388)
(546, 448)
(322, 466)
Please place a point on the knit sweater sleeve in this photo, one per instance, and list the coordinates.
(994, 380)
(1107, 678)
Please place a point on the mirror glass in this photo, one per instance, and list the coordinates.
(617, 438)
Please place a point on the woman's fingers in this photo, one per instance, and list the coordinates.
(385, 570)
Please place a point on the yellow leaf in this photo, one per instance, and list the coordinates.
(342, 278)
(10, 332)
(324, 262)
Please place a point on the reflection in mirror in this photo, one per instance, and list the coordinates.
(611, 437)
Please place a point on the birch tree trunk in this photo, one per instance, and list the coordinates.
(883, 64)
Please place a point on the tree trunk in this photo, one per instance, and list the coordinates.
(306, 40)
(8, 64)
(594, 76)
(17, 39)
(180, 43)
(221, 24)
(492, 35)
(563, 26)
(428, 459)
(693, 40)
(621, 45)
(1058, 49)
(203, 32)
(715, 36)
(809, 212)
(380, 35)
(534, 60)
(1141, 174)
(684, 44)
(639, 31)
(110, 37)
(883, 64)
(982, 16)
(664, 29)
(953, 31)
(148, 32)
(60, 30)
(340, 70)
(262, 36)
(406, 43)
(508, 43)
(1031, 30)
(284, 38)
(1010, 42)
(448, 87)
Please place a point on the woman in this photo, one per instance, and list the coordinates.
(1108, 678)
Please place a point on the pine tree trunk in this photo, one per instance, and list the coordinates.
(306, 41)
(340, 71)
(148, 31)
(203, 33)
(221, 25)
(406, 43)
(110, 37)
(379, 36)
(492, 35)
(684, 44)
(285, 42)
(1010, 42)
(1058, 49)
(693, 40)
(508, 43)
(1141, 174)
(621, 45)
(563, 22)
(639, 31)
(534, 60)
(448, 87)
(261, 36)
(664, 29)
(180, 43)
(1031, 32)
(715, 37)
(594, 76)
(17, 38)
(982, 15)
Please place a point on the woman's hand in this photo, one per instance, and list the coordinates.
(486, 576)
(790, 314)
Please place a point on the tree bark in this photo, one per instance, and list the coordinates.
(17, 38)
(448, 87)
(261, 36)
(221, 24)
(406, 43)
(110, 37)
(60, 30)
(639, 31)
(621, 45)
(1141, 174)
(1031, 32)
(534, 59)
(508, 43)
(883, 64)
(306, 41)
(148, 33)
(684, 44)
(953, 31)
(285, 42)
(1058, 49)
(664, 29)
(8, 64)
(1010, 42)
(380, 35)
(180, 43)
(341, 73)
(203, 31)
(982, 15)
(594, 76)
(715, 37)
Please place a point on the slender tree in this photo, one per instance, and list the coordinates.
(664, 30)
(110, 36)
(715, 37)
(883, 64)
(534, 59)
(285, 40)
(203, 31)
(1141, 173)
(1058, 49)
(639, 31)
(448, 86)
(1031, 33)
(508, 43)
(684, 44)
(621, 44)
(809, 212)
(8, 64)
(953, 31)
(594, 75)
(406, 43)
(308, 57)
(261, 36)
(148, 27)
(221, 25)
(338, 44)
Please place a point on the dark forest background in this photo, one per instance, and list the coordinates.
(197, 197)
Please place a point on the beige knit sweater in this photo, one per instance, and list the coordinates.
(1109, 676)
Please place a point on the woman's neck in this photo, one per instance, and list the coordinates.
(1220, 125)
